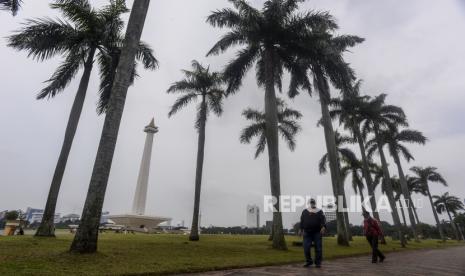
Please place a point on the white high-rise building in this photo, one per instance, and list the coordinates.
(253, 216)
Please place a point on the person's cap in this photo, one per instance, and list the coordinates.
(312, 201)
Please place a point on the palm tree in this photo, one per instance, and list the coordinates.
(394, 140)
(12, 6)
(421, 178)
(345, 156)
(85, 240)
(288, 126)
(322, 56)
(349, 110)
(206, 85)
(449, 204)
(270, 38)
(83, 35)
(380, 117)
(355, 170)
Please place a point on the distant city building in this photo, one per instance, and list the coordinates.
(70, 217)
(104, 218)
(330, 215)
(3, 214)
(253, 216)
(30, 211)
(268, 224)
(36, 217)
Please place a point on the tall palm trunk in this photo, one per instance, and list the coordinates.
(346, 214)
(344, 204)
(367, 176)
(47, 226)
(438, 223)
(85, 240)
(389, 191)
(194, 235)
(402, 211)
(366, 173)
(414, 209)
(342, 238)
(362, 197)
(406, 194)
(459, 227)
(454, 228)
(271, 122)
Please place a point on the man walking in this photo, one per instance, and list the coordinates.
(312, 227)
(372, 233)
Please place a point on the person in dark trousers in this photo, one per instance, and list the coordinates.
(312, 227)
(373, 232)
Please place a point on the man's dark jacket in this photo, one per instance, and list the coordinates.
(312, 222)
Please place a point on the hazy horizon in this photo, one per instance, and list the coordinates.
(413, 52)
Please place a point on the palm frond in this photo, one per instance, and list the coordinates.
(288, 134)
(215, 100)
(45, 38)
(228, 40)
(261, 144)
(322, 164)
(79, 12)
(252, 131)
(411, 136)
(63, 75)
(236, 69)
(224, 18)
(181, 102)
(348, 155)
(183, 86)
(252, 114)
(145, 55)
(108, 64)
(405, 152)
(11, 5)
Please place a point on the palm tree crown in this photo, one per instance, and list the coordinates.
(287, 125)
(424, 175)
(346, 155)
(275, 32)
(353, 168)
(348, 109)
(420, 182)
(378, 114)
(395, 139)
(83, 31)
(199, 83)
(447, 202)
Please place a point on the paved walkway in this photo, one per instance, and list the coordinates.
(441, 262)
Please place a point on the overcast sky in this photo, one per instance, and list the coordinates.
(414, 51)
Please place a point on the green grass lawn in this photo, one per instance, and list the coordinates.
(161, 254)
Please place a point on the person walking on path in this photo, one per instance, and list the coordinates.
(312, 227)
(373, 232)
